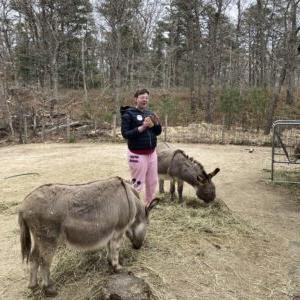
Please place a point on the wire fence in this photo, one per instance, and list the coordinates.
(285, 151)
(64, 129)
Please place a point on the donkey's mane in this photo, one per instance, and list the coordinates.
(194, 161)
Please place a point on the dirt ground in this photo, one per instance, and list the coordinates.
(253, 255)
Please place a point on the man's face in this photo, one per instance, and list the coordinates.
(142, 101)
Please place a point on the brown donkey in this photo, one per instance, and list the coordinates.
(175, 165)
(86, 216)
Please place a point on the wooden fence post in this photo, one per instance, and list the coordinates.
(114, 126)
(166, 127)
(68, 128)
(25, 130)
(43, 129)
(223, 130)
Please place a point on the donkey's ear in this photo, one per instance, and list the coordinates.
(151, 205)
(214, 173)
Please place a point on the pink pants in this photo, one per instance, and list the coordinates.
(143, 169)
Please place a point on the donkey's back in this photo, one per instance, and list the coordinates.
(176, 166)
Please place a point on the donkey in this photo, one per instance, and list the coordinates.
(175, 165)
(296, 154)
(86, 216)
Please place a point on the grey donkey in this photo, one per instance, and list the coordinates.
(176, 166)
(86, 216)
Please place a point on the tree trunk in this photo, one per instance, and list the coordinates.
(192, 21)
(209, 101)
(291, 54)
(116, 70)
(7, 101)
(212, 55)
(54, 72)
(274, 101)
(83, 69)
(236, 72)
(9, 119)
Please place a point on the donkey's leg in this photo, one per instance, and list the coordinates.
(33, 267)
(172, 189)
(114, 247)
(161, 186)
(47, 250)
(179, 190)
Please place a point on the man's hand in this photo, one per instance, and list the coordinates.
(148, 122)
(155, 119)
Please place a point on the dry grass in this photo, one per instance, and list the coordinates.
(8, 207)
(287, 175)
(172, 226)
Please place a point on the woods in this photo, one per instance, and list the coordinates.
(228, 61)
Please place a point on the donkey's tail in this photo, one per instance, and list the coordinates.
(25, 238)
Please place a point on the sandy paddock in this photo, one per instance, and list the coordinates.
(190, 253)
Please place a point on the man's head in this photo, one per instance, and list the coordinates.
(141, 98)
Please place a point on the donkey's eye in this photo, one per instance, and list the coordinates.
(200, 179)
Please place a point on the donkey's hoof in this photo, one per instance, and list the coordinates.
(33, 287)
(50, 291)
(117, 268)
(182, 204)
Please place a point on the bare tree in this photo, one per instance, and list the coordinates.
(292, 45)
(117, 15)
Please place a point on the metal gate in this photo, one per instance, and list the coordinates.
(285, 138)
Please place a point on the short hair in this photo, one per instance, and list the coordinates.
(141, 92)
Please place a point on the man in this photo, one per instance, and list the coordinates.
(140, 127)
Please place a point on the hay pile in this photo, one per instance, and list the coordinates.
(192, 252)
